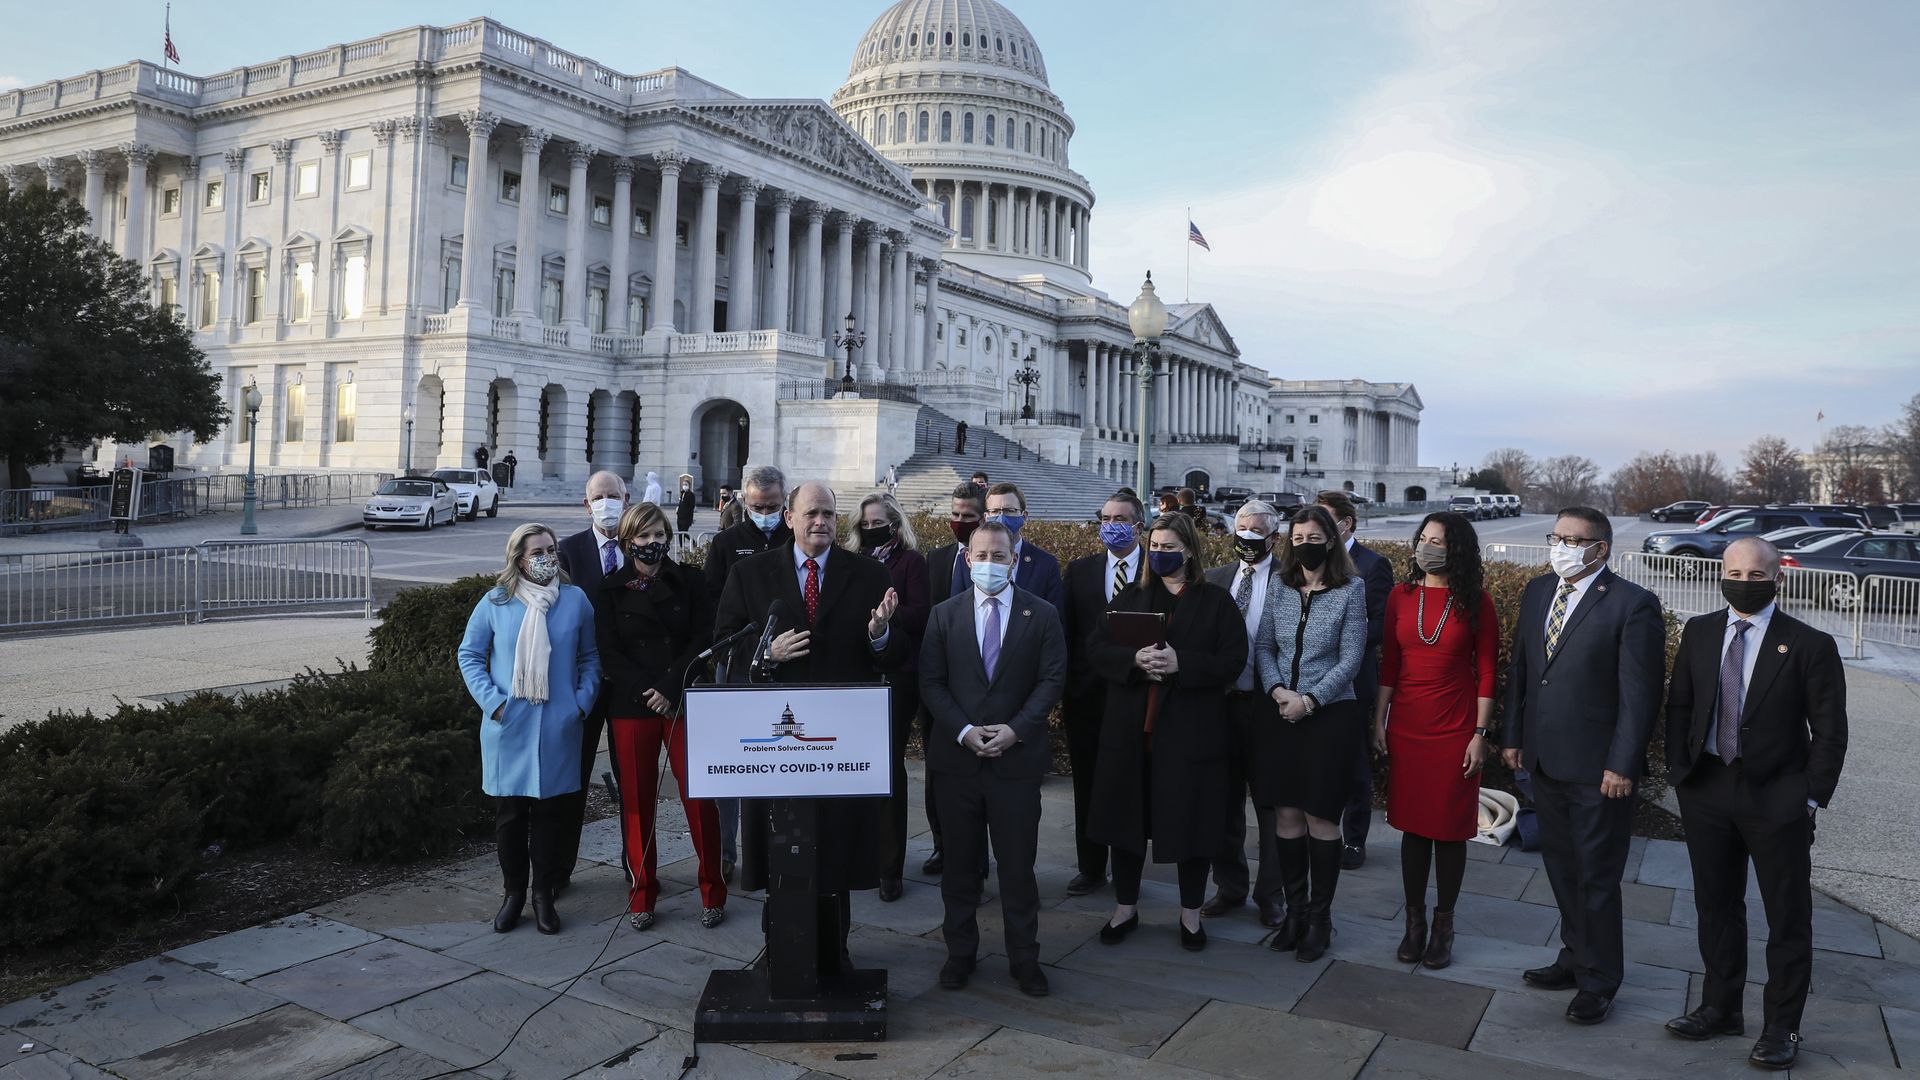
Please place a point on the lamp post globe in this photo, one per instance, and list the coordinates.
(251, 399)
(1028, 377)
(1148, 318)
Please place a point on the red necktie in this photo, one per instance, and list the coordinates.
(813, 590)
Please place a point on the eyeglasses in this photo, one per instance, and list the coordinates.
(1556, 540)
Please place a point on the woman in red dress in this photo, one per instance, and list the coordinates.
(1431, 719)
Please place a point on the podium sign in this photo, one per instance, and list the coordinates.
(765, 742)
(123, 500)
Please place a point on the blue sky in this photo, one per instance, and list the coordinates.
(1578, 228)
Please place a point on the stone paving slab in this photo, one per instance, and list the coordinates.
(662, 983)
(1845, 977)
(1227, 1039)
(660, 1057)
(1843, 1034)
(1061, 932)
(433, 914)
(1396, 1003)
(360, 980)
(1510, 920)
(923, 1039)
(1497, 965)
(1648, 903)
(550, 960)
(48, 1065)
(133, 1009)
(401, 1063)
(1112, 1014)
(248, 954)
(1531, 1025)
(1407, 1059)
(470, 1020)
(1019, 1055)
(912, 963)
(1903, 1029)
(739, 937)
(1836, 927)
(287, 1043)
(1496, 878)
(1897, 946)
(1225, 970)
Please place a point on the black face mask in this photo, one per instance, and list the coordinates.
(1748, 597)
(873, 536)
(648, 554)
(1251, 550)
(1310, 556)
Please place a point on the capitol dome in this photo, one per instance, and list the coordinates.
(956, 92)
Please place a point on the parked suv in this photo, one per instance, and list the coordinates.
(1709, 540)
(1684, 510)
(1284, 501)
(1231, 498)
(1513, 505)
(475, 490)
(1467, 506)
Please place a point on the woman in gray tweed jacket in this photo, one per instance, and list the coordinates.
(1313, 634)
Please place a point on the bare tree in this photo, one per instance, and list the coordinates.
(1514, 466)
(1773, 472)
(1903, 440)
(1649, 480)
(1850, 464)
(1567, 480)
(1703, 477)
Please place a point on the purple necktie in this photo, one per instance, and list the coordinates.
(990, 648)
(1733, 670)
(610, 558)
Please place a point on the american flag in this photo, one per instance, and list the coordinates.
(172, 53)
(1193, 234)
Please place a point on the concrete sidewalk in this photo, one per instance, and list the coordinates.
(410, 980)
(289, 523)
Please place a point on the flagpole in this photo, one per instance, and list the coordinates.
(167, 30)
(1187, 242)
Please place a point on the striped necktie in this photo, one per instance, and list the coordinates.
(1119, 576)
(1557, 619)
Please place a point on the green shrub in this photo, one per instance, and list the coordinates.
(420, 629)
(407, 783)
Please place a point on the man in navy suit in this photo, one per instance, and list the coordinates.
(1378, 574)
(947, 574)
(586, 557)
(1035, 569)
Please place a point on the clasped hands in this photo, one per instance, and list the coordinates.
(989, 740)
(1158, 661)
(1293, 707)
(796, 643)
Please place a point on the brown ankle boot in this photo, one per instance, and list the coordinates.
(1440, 945)
(1415, 943)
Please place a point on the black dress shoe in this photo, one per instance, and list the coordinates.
(1273, 913)
(1082, 884)
(1352, 856)
(955, 972)
(510, 910)
(1221, 904)
(1705, 1022)
(1551, 977)
(1031, 980)
(1775, 1049)
(890, 890)
(545, 919)
(935, 863)
(1114, 935)
(1588, 1007)
(1193, 940)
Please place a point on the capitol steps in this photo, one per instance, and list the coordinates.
(1053, 491)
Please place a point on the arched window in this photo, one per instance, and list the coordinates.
(923, 125)
(946, 211)
(880, 132)
(900, 126)
(966, 40)
(966, 218)
(993, 220)
(990, 119)
(1029, 136)
(947, 39)
(913, 40)
(896, 41)
(999, 45)
(946, 126)
(966, 128)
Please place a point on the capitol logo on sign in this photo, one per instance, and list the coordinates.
(789, 728)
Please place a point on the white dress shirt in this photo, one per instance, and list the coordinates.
(800, 558)
(1580, 590)
(1005, 599)
(1262, 574)
(1757, 631)
(1132, 559)
(600, 542)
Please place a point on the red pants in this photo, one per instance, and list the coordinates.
(636, 762)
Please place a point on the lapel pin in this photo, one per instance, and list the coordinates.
(1029, 611)
(1602, 588)
(1782, 648)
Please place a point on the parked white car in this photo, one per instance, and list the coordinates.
(422, 503)
(475, 490)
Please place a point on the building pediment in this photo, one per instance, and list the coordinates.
(1201, 323)
(813, 133)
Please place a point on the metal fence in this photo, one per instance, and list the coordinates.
(67, 507)
(62, 588)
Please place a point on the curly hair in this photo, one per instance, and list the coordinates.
(1466, 580)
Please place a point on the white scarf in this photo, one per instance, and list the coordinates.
(533, 650)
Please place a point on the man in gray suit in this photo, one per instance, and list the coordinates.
(992, 666)
(1583, 695)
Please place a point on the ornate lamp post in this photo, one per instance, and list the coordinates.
(252, 401)
(850, 340)
(406, 455)
(1148, 318)
(1028, 377)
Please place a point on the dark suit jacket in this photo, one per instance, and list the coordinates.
(1038, 573)
(649, 637)
(1085, 589)
(1593, 708)
(1377, 572)
(734, 544)
(580, 561)
(940, 571)
(1028, 680)
(1793, 725)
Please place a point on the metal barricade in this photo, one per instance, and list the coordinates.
(1686, 586)
(1890, 611)
(1529, 554)
(237, 574)
(1822, 600)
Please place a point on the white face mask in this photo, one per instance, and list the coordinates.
(1568, 561)
(606, 512)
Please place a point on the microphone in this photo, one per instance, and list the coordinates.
(727, 642)
(760, 651)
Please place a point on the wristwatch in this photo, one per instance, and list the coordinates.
(1485, 733)
(1313, 703)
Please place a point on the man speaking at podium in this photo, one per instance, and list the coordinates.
(829, 608)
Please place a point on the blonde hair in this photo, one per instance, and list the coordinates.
(510, 578)
(902, 528)
(635, 519)
(1181, 525)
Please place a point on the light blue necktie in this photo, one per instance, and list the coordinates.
(990, 648)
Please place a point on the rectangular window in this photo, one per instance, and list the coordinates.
(602, 210)
(170, 202)
(963, 337)
(260, 187)
(256, 293)
(296, 430)
(359, 171)
(353, 287)
(680, 232)
(720, 243)
(597, 310)
(215, 195)
(510, 187)
(636, 314)
(457, 173)
(302, 291)
(169, 293)
(502, 292)
(1313, 418)
(550, 307)
(557, 198)
(123, 208)
(450, 286)
(209, 298)
(1289, 418)
(642, 222)
(307, 181)
(939, 331)
(346, 408)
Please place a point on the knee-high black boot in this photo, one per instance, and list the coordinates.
(1323, 858)
(1292, 854)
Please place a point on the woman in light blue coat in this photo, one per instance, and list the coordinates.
(530, 661)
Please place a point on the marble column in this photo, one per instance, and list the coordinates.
(573, 290)
(842, 274)
(742, 255)
(928, 358)
(814, 272)
(95, 163)
(880, 338)
(56, 179)
(473, 231)
(871, 322)
(526, 240)
(234, 201)
(1086, 237)
(899, 303)
(706, 250)
(778, 296)
(620, 256)
(134, 244)
(666, 224)
(1028, 237)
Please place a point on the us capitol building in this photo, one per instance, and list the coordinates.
(448, 237)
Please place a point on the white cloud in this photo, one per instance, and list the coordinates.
(11, 82)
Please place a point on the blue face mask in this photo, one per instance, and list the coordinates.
(991, 577)
(1011, 521)
(1166, 562)
(1117, 535)
(767, 522)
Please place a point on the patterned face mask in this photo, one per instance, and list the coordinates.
(543, 568)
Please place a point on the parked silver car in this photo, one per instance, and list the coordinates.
(422, 503)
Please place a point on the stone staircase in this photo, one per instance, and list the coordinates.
(1053, 491)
